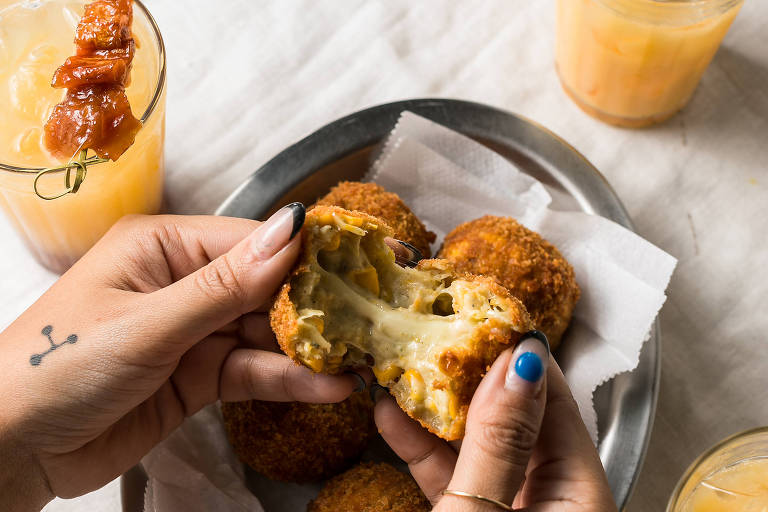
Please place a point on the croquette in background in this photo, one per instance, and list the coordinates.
(299, 442)
(531, 268)
(372, 199)
(370, 487)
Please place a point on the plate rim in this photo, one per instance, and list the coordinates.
(337, 136)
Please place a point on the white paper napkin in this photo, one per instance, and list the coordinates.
(447, 179)
(195, 469)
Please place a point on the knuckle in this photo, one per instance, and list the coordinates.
(565, 407)
(566, 403)
(133, 222)
(126, 224)
(511, 440)
(219, 282)
(286, 381)
(130, 220)
(250, 370)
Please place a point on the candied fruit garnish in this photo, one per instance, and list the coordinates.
(124, 52)
(95, 113)
(78, 71)
(105, 25)
(96, 117)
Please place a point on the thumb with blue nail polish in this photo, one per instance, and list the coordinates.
(503, 424)
(529, 359)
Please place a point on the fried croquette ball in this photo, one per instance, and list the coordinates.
(429, 333)
(370, 487)
(531, 268)
(372, 199)
(299, 442)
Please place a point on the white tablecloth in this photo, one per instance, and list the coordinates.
(247, 78)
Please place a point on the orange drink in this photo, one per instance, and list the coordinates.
(730, 477)
(637, 62)
(35, 38)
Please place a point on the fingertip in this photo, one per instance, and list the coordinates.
(249, 374)
(557, 386)
(266, 278)
(322, 388)
(284, 259)
(487, 391)
(400, 432)
(386, 412)
(430, 459)
(377, 392)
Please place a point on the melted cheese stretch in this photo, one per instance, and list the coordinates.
(397, 336)
(356, 303)
(400, 340)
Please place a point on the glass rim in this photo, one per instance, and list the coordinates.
(684, 3)
(675, 496)
(159, 87)
(708, 8)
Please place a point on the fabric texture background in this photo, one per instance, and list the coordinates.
(247, 78)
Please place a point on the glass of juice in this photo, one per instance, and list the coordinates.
(637, 62)
(35, 38)
(731, 476)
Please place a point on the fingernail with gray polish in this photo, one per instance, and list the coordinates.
(270, 237)
(299, 214)
(361, 384)
(415, 255)
(537, 335)
(377, 392)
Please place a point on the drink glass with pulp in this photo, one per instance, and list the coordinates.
(35, 38)
(637, 62)
(732, 476)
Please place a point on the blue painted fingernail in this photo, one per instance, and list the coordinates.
(529, 367)
(525, 373)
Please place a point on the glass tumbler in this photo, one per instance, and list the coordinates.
(35, 38)
(637, 62)
(731, 476)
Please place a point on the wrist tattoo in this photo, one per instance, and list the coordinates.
(36, 359)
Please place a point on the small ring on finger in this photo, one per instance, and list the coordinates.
(462, 494)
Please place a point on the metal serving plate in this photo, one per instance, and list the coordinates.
(345, 148)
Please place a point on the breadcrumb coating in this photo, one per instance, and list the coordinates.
(370, 487)
(374, 200)
(531, 268)
(299, 442)
(429, 333)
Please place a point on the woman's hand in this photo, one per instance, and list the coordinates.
(152, 324)
(515, 450)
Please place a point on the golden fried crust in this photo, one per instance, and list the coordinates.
(284, 319)
(370, 488)
(462, 366)
(372, 199)
(466, 368)
(522, 261)
(299, 442)
(283, 316)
